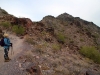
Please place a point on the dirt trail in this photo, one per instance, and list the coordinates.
(12, 67)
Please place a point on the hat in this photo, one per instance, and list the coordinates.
(5, 35)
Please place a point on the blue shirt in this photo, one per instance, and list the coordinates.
(7, 42)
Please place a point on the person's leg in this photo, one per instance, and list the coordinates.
(5, 54)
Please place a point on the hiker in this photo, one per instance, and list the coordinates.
(6, 46)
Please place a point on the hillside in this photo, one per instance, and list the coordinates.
(3, 12)
(62, 45)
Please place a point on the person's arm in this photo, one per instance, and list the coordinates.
(10, 44)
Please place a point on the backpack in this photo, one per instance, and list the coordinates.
(2, 42)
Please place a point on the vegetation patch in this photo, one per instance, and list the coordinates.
(28, 56)
(82, 40)
(61, 37)
(95, 35)
(71, 41)
(91, 53)
(43, 33)
(18, 29)
(56, 47)
(5, 24)
(31, 41)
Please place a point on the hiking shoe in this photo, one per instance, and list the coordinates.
(6, 60)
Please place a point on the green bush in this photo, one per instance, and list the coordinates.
(61, 37)
(31, 41)
(56, 47)
(18, 29)
(71, 41)
(5, 24)
(91, 53)
(95, 35)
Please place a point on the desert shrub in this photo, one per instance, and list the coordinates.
(18, 29)
(95, 35)
(30, 40)
(40, 51)
(29, 58)
(91, 53)
(98, 47)
(66, 24)
(82, 40)
(43, 33)
(40, 48)
(56, 47)
(71, 41)
(5, 24)
(61, 37)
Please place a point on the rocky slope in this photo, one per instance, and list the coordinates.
(56, 43)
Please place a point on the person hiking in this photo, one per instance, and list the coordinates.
(6, 46)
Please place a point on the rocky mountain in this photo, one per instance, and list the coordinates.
(76, 31)
(3, 12)
(60, 45)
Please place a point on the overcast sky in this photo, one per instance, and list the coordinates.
(37, 9)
